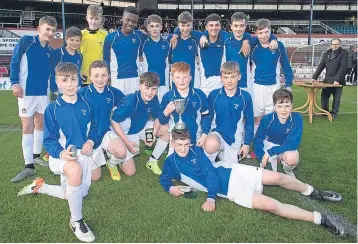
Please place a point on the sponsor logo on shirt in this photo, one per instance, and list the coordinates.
(84, 111)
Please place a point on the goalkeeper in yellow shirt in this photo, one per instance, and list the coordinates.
(92, 40)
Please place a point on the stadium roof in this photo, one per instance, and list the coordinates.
(277, 2)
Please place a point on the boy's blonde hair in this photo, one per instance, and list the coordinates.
(230, 67)
(154, 18)
(94, 10)
(51, 21)
(181, 67)
(66, 69)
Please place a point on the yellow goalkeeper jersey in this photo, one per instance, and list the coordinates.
(91, 49)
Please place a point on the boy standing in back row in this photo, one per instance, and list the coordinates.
(92, 40)
(30, 73)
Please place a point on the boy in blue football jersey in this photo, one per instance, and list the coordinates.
(67, 53)
(279, 134)
(71, 138)
(196, 113)
(242, 184)
(155, 51)
(186, 48)
(132, 122)
(104, 100)
(121, 52)
(232, 113)
(29, 74)
(266, 70)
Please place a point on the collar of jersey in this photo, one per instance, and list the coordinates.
(177, 94)
(64, 51)
(151, 39)
(223, 92)
(92, 89)
(37, 40)
(62, 102)
(92, 31)
(120, 33)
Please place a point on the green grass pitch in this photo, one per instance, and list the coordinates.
(136, 209)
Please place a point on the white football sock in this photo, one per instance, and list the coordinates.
(212, 156)
(308, 191)
(273, 164)
(38, 140)
(27, 147)
(159, 148)
(75, 198)
(317, 218)
(52, 190)
(113, 161)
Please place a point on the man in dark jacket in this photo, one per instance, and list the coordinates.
(335, 61)
(352, 65)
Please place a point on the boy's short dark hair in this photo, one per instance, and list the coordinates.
(237, 16)
(180, 134)
(212, 17)
(282, 95)
(97, 64)
(66, 69)
(72, 32)
(131, 10)
(51, 21)
(149, 79)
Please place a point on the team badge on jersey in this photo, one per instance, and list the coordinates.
(48, 55)
(23, 110)
(164, 47)
(108, 100)
(194, 104)
(193, 160)
(190, 47)
(236, 106)
(100, 43)
(84, 111)
(133, 40)
(288, 130)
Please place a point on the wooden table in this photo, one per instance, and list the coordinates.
(311, 105)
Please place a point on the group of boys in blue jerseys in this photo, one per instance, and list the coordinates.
(230, 83)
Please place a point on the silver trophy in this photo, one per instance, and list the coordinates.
(179, 107)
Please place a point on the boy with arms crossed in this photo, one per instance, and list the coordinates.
(30, 73)
(92, 40)
(279, 134)
(70, 122)
(104, 100)
(229, 106)
(240, 183)
(131, 119)
(196, 114)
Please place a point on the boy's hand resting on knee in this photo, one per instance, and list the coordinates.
(87, 148)
(175, 191)
(209, 205)
(265, 160)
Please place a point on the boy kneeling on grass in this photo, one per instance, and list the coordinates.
(70, 122)
(240, 183)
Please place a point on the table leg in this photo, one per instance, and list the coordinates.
(305, 105)
(310, 104)
(324, 112)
